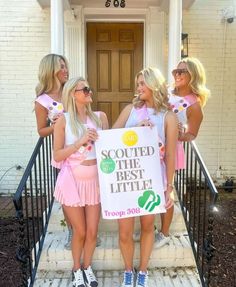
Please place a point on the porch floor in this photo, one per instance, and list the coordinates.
(172, 277)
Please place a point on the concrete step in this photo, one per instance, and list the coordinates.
(178, 224)
(54, 257)
(162, 277)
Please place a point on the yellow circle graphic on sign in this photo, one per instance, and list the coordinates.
(130, 138)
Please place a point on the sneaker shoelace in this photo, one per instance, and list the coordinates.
(160, 236)
(90, 275)
(142, 279)
(128, 278)
(78, 278)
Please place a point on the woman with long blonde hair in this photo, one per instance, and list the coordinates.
(77, 182)
(187, 100)
(149, 108)
(52, 75)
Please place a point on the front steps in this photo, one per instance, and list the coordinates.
(181, 277)
(171, 265)
(108, 257)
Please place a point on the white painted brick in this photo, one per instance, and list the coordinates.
(24, 40)
(203, 24)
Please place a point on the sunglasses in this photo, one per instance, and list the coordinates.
(86, 90)
(179, 72)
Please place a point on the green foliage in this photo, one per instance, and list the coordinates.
(63, 223)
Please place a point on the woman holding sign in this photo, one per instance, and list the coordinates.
(77, 183)
(149, 108)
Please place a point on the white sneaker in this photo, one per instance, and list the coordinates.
(78, 278)
(160, 240)
(68, 240)
(142, 279)
(90, 279)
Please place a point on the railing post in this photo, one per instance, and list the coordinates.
(27, 201)
(208, 245)
(199, 210)
(22, 253)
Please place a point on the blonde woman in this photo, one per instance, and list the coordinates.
(52, 75)
(77, 183)
(149, 108)
(187, 100)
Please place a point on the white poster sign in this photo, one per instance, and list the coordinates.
(129, 172)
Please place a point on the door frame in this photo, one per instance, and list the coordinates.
(115, 16)
(154, 38)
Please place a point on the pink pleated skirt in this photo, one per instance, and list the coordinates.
(180, 156)
(77, 185)
(56, 164)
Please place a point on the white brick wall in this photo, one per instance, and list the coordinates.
(25, 39)
(217, 137)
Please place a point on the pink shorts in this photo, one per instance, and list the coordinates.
(77, 185)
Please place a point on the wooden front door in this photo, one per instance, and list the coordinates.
(114, 56)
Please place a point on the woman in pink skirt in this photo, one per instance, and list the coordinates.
(52, 75)
(77, 183)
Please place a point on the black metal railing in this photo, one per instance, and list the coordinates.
(33, 203)
(197, 195)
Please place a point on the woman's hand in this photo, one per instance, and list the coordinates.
(180, 130)
(90, 135)
(55, 118)
(180, 127)
(169, 197)
(145, 123)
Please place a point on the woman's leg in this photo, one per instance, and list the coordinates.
(69, 231)
(126, 229)
(92, 216)
(166, 219)
(66, 218)
(146, 240)
(76, 216)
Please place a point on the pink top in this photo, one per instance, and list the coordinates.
(180, 106)
(77, 185)
(85, 152)
(54, 108)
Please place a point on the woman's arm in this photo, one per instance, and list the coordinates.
(105, 124)
(60, 152)
(42, 120)
(171, 133)
(194, 117)
(123, 117)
